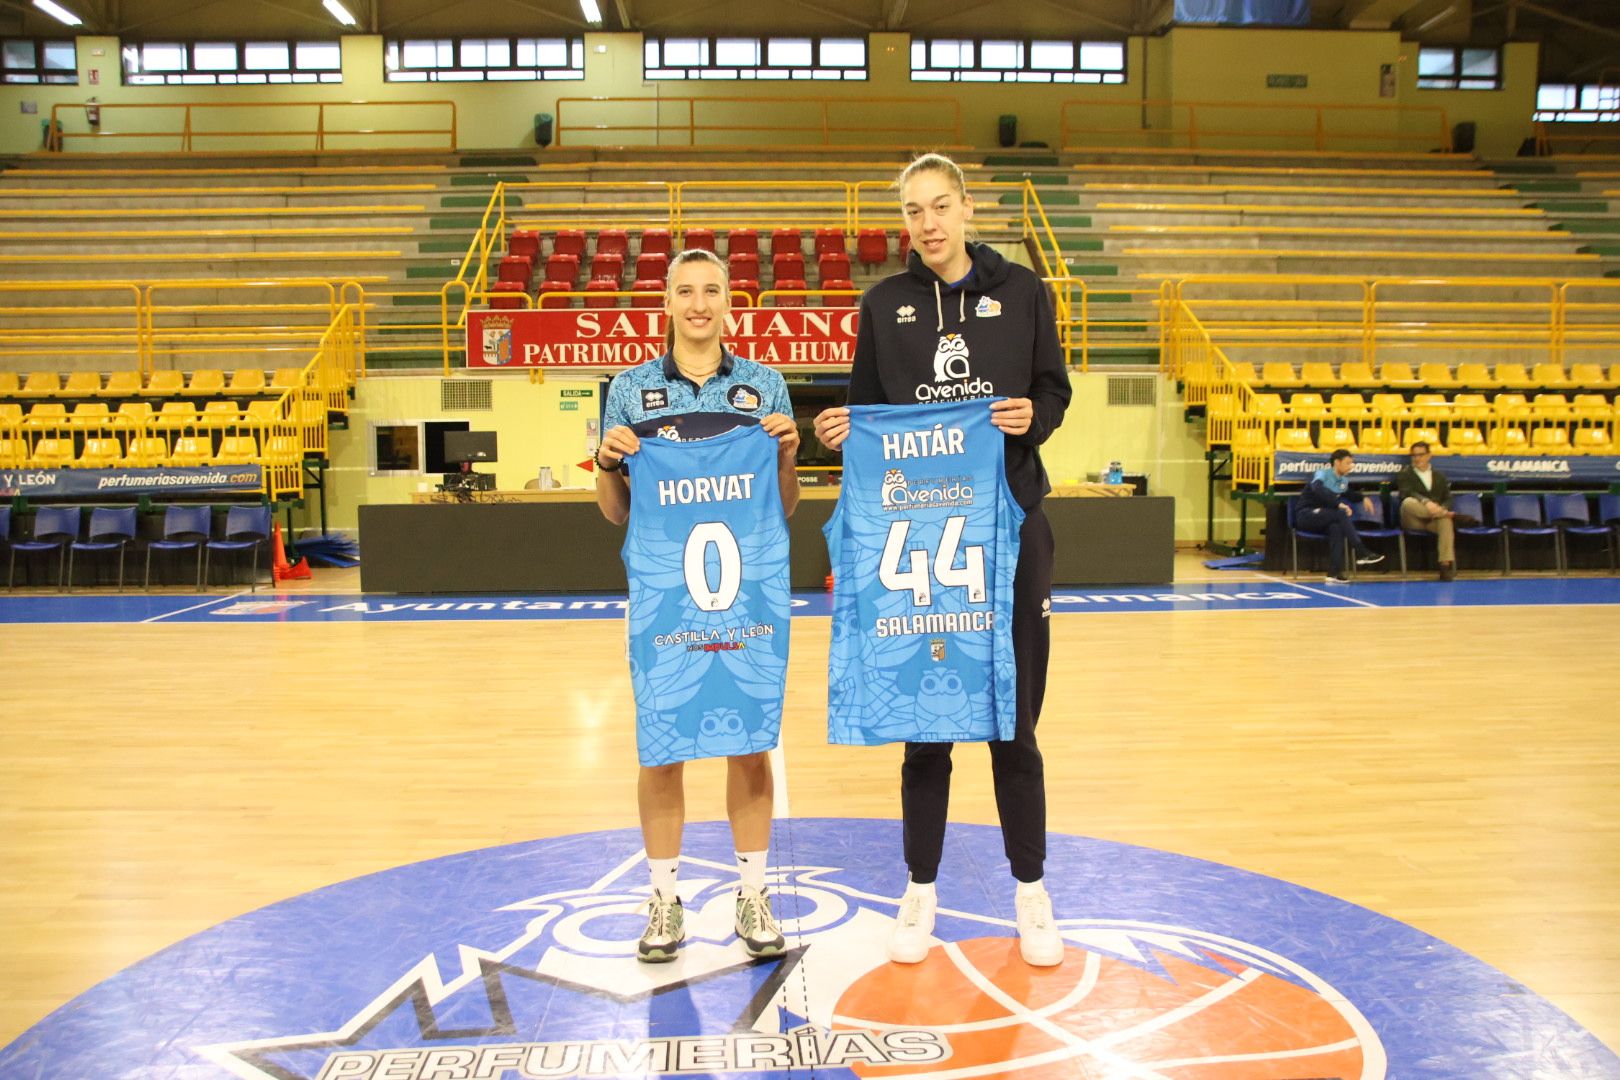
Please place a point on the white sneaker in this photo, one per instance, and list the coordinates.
(913, 931)
(1039, 942)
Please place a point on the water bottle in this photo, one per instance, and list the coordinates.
(1116, 473)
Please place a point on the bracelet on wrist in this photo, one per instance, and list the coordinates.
(604, 466)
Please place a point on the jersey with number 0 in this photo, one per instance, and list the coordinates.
(706, 553)
(923, 543)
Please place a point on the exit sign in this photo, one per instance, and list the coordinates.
(1285, 82)
(578, 393)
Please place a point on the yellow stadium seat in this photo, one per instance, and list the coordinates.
(1349, 407)
(1513, 375)
(1436, 373)
(176, 415)
(13, 453)
(1587, 406)
(51, 453)
(1470, 407)
(122, 384)
(1465, 440)
(1319, 373)
(1593, 440)
(1475, 374)
(135, 414)
(10, 414)
(1376, 440)
(1357, 373)
(237, 450)
(1330, 439)
(1549, 440)
(47, 414)
(1419, 433)
(1397, 373)
(1249, 442)
(1509, 440)
(1549, 374)
(287, 376)
(147, 453)
(1587, 375)
(90, 414)
(1391, 406)
(1279, 373)
(1555, 406)
(1307, 406)
(1430, 407)
(283, 450)
(270, 411)
(82, 384)
(248, 380)
(218, 414)
(206, 382)
(1269, 406)
(100, 454)
(191, 450)
(41, 384)
(165, 384)
(1296, 439)
(9, 384)
(1510, 407)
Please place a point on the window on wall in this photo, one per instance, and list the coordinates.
(26, 60)
(1574, 103)
(722, 58)
(484, 59)
(1017, 60)
(226, 63)
(1449, 68)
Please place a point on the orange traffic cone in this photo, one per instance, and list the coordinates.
(280, 567)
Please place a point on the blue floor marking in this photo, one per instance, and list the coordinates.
(1272, 594)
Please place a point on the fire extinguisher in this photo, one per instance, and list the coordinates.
(92, 113)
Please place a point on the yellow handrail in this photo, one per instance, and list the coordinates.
(1197, 116)
(764, 117)
(177, 120)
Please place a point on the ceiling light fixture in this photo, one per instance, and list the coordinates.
(58, 12)
(339, 12)
(593, 14)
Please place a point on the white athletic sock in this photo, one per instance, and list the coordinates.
(751, 865)
(664, 872)
(1026, 888)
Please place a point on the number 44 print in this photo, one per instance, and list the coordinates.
(970, 574)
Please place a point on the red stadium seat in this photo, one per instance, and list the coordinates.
(508, 300)
(872, 247)
(788, 265)
(655, 242)
(652, 266)
(786, 240)
(550, 286)
(569, 242)
(612, 242)
(524, 242)
(561, 266)
(607, 265)
(742, 242)
(829, 240)
(746, 285)
(654, 287)
(518, 268)
(699, 239)
(838, 301)
(602, 286)
(789, 301)
(744, 267)
(833, 267)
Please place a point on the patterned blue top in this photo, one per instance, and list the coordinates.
(657, 388)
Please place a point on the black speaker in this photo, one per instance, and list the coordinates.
(1462, 137)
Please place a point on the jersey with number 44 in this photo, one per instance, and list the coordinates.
(706, 554)
(924, 544)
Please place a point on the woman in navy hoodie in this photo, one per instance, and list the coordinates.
(962, 322)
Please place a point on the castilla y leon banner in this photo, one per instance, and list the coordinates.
(621, 337)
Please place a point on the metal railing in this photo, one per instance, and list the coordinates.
(1206, 125)
(320, 126)
(726, 120)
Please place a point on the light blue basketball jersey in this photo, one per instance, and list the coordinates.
(706, 553)
(923, 543)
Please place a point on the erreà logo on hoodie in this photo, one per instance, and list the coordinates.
(952, 377)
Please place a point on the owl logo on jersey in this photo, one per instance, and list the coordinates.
(722, 733)
(894, 488)
(951, 358)
(669, 432)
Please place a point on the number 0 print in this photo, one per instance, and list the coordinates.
(697, 577)
(915, 576)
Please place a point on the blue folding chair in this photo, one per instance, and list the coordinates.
(1295, 534)
(185, 528)
(247, 528)
(111, 529)
(1374, 525)
(1571, 515)
(5, 526)
(1469, 504)
(1520, 515)
(1422, 536)
(1609, 518)
(55, 527)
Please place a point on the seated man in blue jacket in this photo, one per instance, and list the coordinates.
(1324, 507)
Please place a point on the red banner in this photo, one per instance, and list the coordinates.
(622, 337)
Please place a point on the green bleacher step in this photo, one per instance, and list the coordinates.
(1042, 180)
(498, 161)
(487, 180)
(1572, 206)
(1546, 186)
(1083, 245)
(1133, 355)
(451, 201)
(416, 358)
(1110, 298)
(416, 301)
(1599, 249)
(1032, 160)
(1069, 221)
(453, 246)
(439, 273)
(1526, 167)
(1590, 225)
(1085, 270)
(1049, 199)
(456, 221)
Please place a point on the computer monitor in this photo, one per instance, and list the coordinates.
(469, 447)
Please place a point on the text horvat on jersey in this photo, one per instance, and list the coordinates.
(929, 442)
(703, 489)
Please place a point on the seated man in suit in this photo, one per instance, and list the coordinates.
(1426, 505)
